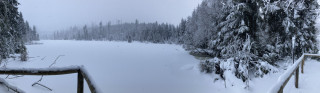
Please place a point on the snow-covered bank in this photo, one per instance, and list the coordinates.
(121, 67)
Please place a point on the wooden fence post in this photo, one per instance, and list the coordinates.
(80, 82)
(281, 89)
(297, 77)
(302, 64)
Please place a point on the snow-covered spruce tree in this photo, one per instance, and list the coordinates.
(200, 36)
(11, 28)
(35, 35)
(297, 18)
(270, 31)
(85, 33)
(255, 32)
(188, 35)
(279, 21)
(21, 34)
(238, 36)
(30, 34)
(181, 29)
(304, 16)
(201, 33)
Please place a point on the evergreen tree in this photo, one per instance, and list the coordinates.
(86, 34)
(11, 29)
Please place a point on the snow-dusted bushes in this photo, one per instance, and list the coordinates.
(238, 67)
(213, 66)
(23, 54)
(207, 66)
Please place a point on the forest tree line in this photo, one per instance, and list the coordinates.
(248, 33)
(14, 31)
(151, 32)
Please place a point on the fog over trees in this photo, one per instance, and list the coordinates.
(136, 31)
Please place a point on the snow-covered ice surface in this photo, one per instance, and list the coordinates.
(116, 67)
(121, 67)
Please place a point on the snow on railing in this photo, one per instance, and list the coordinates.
(13, 88)
(82, 74)
(285, 77)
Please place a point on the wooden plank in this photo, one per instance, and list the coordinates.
(88, 80)
(297, 78)
(281, 90)
(80, 82)
(312, 55)
(302, 65)
(41, 71)
(287, 78)
(284, 84)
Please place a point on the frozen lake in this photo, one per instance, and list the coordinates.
(121, 67)
(116, 67)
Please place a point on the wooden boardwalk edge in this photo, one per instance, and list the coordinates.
(82, 74)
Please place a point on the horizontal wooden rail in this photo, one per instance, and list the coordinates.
(82, 74)
(285, 77)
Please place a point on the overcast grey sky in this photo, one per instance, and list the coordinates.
(52, 15)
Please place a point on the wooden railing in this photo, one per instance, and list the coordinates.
(82, 74)
(284, 78)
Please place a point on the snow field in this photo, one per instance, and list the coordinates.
(117, 67)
